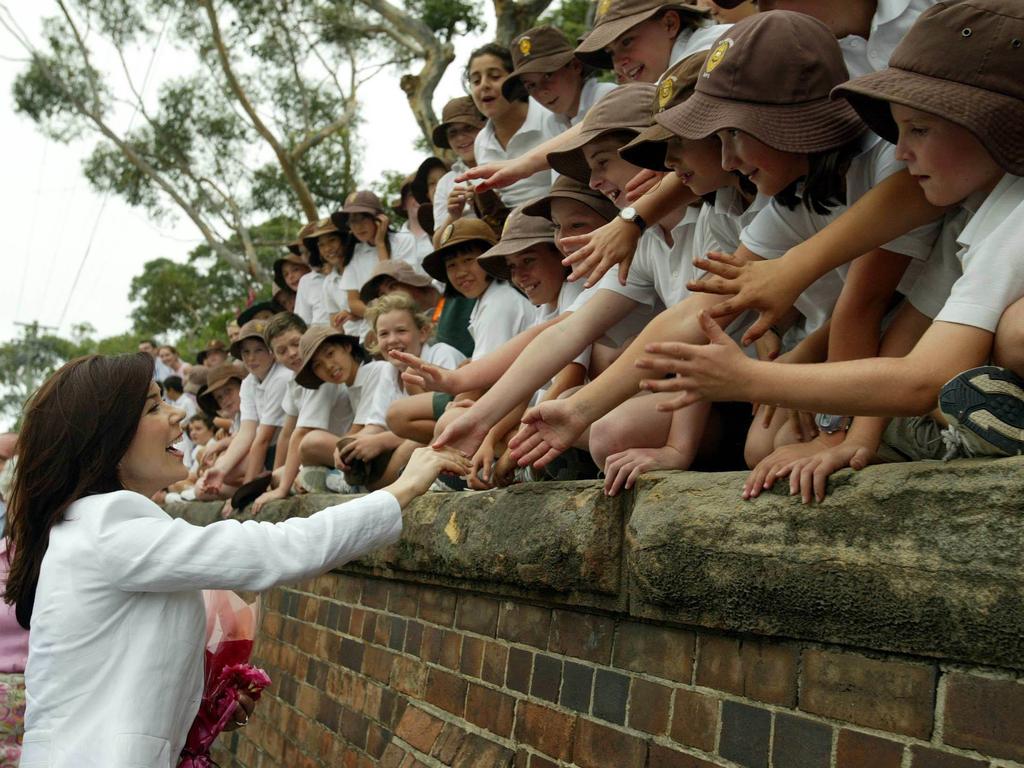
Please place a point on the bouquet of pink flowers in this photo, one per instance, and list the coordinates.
(230, 630)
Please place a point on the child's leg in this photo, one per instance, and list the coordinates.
(413, 417)
(1008, 347)
(635, 424)
(399, 458)
(780, 431)
(317, 448)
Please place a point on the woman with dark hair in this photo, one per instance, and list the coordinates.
(111, 584)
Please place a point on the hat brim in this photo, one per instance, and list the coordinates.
(305, 377)
(591, 49)
(648, 149)
(493, 261)
(542, 207)
(814, 126)
(440, 133)
(513, 88)
(433, 262)
(571, 162)
(993, 118)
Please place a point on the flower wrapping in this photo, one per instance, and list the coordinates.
(230, 631)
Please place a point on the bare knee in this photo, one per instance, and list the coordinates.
(606, 439)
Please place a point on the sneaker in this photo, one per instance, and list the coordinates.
(439, 487)
(189, 494)
(335, 482)
(313, 479)
(172, 498)
(985, 410)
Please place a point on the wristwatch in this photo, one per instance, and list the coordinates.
(830, 423)
(629, 214)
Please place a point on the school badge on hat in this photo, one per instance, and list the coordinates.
(525, 46)
(602, 7)
(447, 234)
(666, 90)
(717, 55)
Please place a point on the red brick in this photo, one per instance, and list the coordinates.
(491, 710)
(695, 720)
(985, 714)
(476, 751)
(663, 757)
(649, 706)
(495, 660)
(582, 635)
(597, 746)
(654, 650)
(377, 663)
(437, 606)
(545, 729)
(448, 743)
(477, 614)
(375, 593)
(409, 676)
(856, 750)
(924, 757)
(356, 621)
(537, 761)
(308, 701)
(348, 588)
(404, 599)
(472, 657)
(892, 696)
(748, 668)
(418, 728)
(446, 691)
(526, 624)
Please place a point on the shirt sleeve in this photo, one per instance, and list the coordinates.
(271, 412)
(500, 321)
(378, 393)
(247, 400)
(143, 549)
(288, 402)
(445, 356)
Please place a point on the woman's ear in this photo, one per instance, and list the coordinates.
(671, 23)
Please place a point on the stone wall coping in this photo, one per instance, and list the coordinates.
(923, 558)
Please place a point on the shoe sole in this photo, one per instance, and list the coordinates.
(988, 401)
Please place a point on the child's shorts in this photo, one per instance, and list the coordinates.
(439, 403)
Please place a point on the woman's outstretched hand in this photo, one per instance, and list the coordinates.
(424, 466)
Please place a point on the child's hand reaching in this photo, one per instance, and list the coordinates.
(426, 376)
(424, 466)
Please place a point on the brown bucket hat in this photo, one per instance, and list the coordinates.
(457, 233)
(251, 330)
(963, 62)
(289, 258)
(399, 271)
(196, 378)
(310, 342)
(648, 149)
(362, 201)
(522, 231)
(627, 108)
(460, 110)
(770, 76)
(213, 345)
(421, 179)
(216, 379)
(615, 17)
(295, 246)
(538, 50)
(567, 188)
(326, 226)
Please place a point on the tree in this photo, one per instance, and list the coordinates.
(259, 126)
(422, 30)
(25, 363)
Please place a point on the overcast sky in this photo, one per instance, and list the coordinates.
(48, 211)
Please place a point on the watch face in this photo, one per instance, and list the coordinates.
(628, 213)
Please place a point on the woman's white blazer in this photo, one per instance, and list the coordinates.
(115, 666)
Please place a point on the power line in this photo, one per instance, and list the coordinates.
(106, 195)
(27, 261)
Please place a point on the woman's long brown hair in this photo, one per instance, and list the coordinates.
(78, 426)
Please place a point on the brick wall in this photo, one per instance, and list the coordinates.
(547, 625)
(373, 672)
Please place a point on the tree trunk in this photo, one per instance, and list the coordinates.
(514, 17)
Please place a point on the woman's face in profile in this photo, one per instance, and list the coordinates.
(151, 462)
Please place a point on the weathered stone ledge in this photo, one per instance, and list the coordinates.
(922, 558)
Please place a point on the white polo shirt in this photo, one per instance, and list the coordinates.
(309, 299)
(891, 22)
(992, 255)
(327, 407)
(389, 388)
(500, 313)
(719, 225)
(261, 401)
(534, 131)
(776, 229)
(943, 267)
(361, 265)
(370, 377)
(568, 294)
(335, 298)
(592, 92)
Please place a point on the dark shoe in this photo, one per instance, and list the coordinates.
(985, 408)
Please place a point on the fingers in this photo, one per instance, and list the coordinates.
(678, 403)
(525, 446)
(861, 458)
(539, 455)
(769, 414)
(710, 284)
(624, 269)
(724, 258)
(547, 458)
(675, 384)
(720, 269)
(575, 242)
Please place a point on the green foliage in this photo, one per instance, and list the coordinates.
(25, 363)
(448, 18)
(571, 16)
